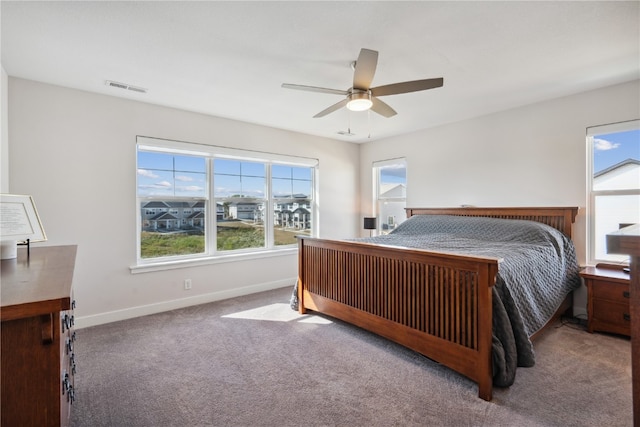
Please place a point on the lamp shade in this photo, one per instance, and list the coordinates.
(359, 101)
(370, 223)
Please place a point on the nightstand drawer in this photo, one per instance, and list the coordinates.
(611, 313)
(611, 291)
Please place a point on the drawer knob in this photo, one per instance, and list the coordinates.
(626, 316)
(67, 322)
(626, 294)
(65, 383)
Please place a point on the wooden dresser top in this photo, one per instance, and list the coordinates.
(38, 284)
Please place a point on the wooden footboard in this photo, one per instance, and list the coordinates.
(437, 304)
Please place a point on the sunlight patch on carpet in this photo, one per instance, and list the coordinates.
(278, 312)
(315, 319)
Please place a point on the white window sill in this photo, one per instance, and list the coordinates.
(196, 262)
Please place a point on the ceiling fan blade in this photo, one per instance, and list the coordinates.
(365, 69)
(315, 89)
(382, 108)
(331, 109)
(406, 87)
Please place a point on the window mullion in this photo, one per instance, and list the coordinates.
(269, 209)
(212, 211)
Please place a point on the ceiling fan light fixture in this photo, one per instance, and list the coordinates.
(361, 96)
(359, 101)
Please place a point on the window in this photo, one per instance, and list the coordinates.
(200, 201)
(292, 204)
(240, 188)
(613, 184)
(390, 191)
(167, 183)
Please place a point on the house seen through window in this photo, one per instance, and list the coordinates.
(219, 200)
(614, 184)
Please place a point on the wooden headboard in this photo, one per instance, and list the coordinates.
(560, 218)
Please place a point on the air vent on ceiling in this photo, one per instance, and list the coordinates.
(125, 86)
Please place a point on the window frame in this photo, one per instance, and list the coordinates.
(210, 153)
(592, 195)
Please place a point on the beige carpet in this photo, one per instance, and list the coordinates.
(252, 361)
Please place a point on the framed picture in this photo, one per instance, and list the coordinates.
(19, 219)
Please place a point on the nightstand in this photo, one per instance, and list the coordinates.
(608, 299)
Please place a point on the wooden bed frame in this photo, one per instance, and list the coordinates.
(438, 304)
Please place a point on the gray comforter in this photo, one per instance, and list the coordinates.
(539, 269)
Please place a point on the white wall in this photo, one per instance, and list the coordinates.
(529, 156)
(74, 152)
(4, 132)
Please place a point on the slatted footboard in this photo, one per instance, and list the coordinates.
(437, 304)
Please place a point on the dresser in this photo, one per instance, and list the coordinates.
(627, 241)
(36, 313)
(608, 299)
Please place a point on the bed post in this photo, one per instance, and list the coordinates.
(301, 308)
(485, 333)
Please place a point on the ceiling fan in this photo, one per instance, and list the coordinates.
(361, 96)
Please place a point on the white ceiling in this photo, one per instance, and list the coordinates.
(229, 59)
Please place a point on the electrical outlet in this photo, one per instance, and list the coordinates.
(187, 284)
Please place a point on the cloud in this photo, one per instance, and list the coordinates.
(229, 192)
(190, 188)
(225, 191)
(604, 145)
(147, 173)
(161, 185)
(397, 170)
(256, 193)
(184, 178)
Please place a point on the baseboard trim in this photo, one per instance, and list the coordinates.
(144, 310)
